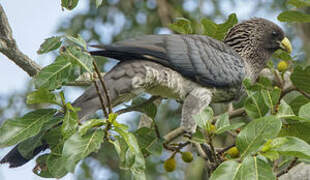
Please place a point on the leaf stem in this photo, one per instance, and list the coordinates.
(101, 99)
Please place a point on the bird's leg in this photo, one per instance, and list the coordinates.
(197, 100)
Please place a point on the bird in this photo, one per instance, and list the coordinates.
(194, 69)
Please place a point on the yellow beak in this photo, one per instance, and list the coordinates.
(286, 45)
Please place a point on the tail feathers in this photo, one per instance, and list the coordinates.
(15, 159)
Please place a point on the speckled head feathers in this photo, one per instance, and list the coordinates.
(255, 40)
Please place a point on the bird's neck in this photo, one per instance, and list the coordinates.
(254, 57)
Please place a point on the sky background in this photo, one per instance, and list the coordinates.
(35, 20)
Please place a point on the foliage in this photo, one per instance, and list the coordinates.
(274, 129)
(293, 15)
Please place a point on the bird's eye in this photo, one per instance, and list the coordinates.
(274, 34)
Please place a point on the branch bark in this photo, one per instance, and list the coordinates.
(9, 48)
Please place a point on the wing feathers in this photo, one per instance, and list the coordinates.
(203, 59)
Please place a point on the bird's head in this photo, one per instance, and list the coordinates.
(257, 39)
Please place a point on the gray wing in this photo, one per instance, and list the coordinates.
(200, 58)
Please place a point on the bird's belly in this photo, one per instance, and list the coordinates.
(167, 83)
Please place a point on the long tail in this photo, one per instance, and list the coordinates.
(119, 84)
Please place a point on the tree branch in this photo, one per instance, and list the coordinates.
(290, 166)
(9, 48)
(107, 96)
(163, 12)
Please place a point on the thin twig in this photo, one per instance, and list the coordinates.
(9, 48)
(177, 147)
(221, 151)
(289, 167)
(101, 100)
(174, 134)
(106, 93)
(208, 136)
(200, 151)
(286, 91)
(303, 93)
(293, 88)
(156, 130)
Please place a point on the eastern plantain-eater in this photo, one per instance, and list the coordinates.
(193, 69)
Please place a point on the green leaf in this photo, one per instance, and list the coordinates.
(283, 55)
(148, 141)
(254, 135)
(251, 88)
(79, 41)
(50, 166)
(304, 111)
(251, 168)
(298, 102)
(218, 31)
(55, 74)
(198, 137)
(134, 157)
(291, 146)
(79, 147)
(222, 121)
(300, 78)
(16, 130)
(127, 158)
(54, 137)
(55, 162)
(285, 111)
(223, 124)
(27, 147)
(182, 26)
(83, 59)
(226, 171)
(265, 83)
(90, 124)
(229, 128)
(50, 44)
(271, 98)
(41, 167)
(98, 3)
(56, 166)
(294, 16)
(204, 117)
(209, 27)
(70, 122)
(42, 95)
(223, 28)
(271, 155)
(255, 106)
(299, 3)
(297, 129)
(69, 4)
(149, 109)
